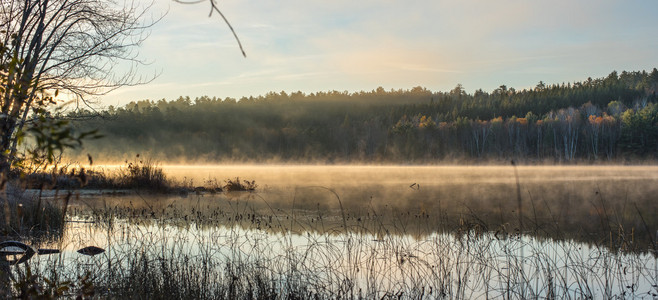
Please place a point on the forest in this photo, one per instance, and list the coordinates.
(610, 119)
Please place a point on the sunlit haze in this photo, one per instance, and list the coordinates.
(351, 46)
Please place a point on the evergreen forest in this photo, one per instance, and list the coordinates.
(610, 119)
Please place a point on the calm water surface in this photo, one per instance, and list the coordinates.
(583, 202)
(581, 231)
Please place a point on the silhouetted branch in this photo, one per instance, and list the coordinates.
(215, 8)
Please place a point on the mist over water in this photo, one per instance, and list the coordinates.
(452, 230)
(339, 175)
(413, 185)
(575, 202)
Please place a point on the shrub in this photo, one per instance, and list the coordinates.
(238, 186)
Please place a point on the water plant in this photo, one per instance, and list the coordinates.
(240, 251)
(239, 186)
(218, 246)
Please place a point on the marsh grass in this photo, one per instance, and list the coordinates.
(250, 253)
(250, 248)
(30, 218)
(30, 215)
(239, 186)
(141, 174)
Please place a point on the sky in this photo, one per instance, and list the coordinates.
(312, 45)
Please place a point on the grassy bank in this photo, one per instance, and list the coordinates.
(156, 258)
(139, 174)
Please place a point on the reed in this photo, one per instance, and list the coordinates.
(240, 186)
(141, 174)
(216, 246)
(275, 254)
(30, 215)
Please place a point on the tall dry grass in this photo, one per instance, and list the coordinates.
(256, 254)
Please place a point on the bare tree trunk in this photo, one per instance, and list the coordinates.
(61, 45)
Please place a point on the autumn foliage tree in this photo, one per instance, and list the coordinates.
(610, 118)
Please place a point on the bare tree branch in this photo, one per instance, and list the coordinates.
(215, 8)
(63, 45)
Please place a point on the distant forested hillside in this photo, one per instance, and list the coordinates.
(606, 119)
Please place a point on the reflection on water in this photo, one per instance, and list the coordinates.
(386, 231)
(607, 205)
(468, 266)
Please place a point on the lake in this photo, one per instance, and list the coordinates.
(380, 231)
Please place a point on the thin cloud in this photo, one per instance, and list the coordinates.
(420, 68)
(348, 45)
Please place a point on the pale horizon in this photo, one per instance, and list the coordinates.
(315, 46)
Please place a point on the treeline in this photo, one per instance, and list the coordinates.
(612, 118)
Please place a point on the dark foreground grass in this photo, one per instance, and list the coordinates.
(151, 256)
(29, 215)
(246, 253)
